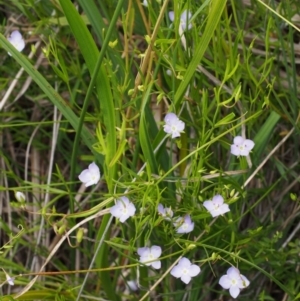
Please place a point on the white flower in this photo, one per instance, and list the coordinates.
(133, 286)
(150, 254)
(185, 270)
(16, 40)
(123, 209)
(185, 19)
(10, 280)
(173, 125)
(145, 3)
(216, 206)
(241, 146)
(90, 176)
(184, 224)
(20, 196)
(166, 213)
(234, 281)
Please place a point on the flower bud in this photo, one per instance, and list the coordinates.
(61, 230)
(20, 196)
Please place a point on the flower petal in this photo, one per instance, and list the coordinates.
(186, 279)
(234, 291)
(184, 262)
(224, 208)
(233, 272)
(161, 209)
(170, 118)
(175, 134)
(155, 251)
(180, 126)
(131, 209)
(142, 251)
(194, 270)
(94, 168)
(248, 144)
(123, 218)
(238, 140)
(225, 282)
(156, 264)
(218, 199)
(85, 177)
(171, 16)
(186, 16)
(176, 271)
(209, 205)
(235, 150)
(124, 200)
(244, 152)
(246, 282)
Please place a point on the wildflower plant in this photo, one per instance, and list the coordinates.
(175, 209)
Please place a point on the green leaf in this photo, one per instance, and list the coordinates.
(90, 53)
(214, 16)
(262, 137)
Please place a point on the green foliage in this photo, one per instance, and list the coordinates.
(100, 79)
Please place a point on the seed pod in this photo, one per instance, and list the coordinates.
(79, 235)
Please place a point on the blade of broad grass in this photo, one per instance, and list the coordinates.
(88, 139)
(90, 53)
(88, 95)
(263, 136)
(144, 136)
(214, 16)
(100, 28)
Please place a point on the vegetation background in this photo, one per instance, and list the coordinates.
(93, 84)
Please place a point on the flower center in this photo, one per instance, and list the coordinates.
(150, 257)
(233, 282)
(216, 206)
(173, 128)
(185, 271)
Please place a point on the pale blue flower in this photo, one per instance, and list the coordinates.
(90, 176)
(185, 270)
(148, 256)
(241, 146)
(184, 224)
(185, 19)
(234, 281)
(216, 206)
(16, 40)
(174, 125)
(123, 209)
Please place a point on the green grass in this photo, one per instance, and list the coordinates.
(96, 88)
